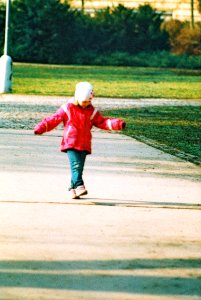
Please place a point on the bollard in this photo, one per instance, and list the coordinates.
(5, 74)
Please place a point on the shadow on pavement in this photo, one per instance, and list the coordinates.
(115, 202)
(150, 276)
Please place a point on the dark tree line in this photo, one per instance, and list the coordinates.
(49, 31)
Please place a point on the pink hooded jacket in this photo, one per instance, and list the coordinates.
(77, 123)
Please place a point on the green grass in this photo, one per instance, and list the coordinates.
(173, 129)
(119, 82)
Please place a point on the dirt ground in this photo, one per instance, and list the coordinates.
(136, 235)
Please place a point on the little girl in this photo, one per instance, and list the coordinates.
(78, 116)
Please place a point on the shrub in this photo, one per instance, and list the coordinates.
(183, 39)
(188, 41)
(173, 28)
(163, 59)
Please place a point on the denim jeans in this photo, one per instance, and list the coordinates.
(76, 160)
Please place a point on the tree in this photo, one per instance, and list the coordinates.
(49, 31)
(43, 33)
(116, 29)
(82, 6)
(125, 29)
(148, 29)
(199, 5)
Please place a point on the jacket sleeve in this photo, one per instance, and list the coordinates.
(49, 123)
(108, 123)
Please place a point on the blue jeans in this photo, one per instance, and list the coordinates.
(76, 160)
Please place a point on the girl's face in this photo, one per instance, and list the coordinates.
(85, 103)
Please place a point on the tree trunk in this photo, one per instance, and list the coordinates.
(82, 6)
(192, 14)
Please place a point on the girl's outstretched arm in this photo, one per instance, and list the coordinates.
(108, 123)
(49, 123)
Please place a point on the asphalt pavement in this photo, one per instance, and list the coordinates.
(136, 235)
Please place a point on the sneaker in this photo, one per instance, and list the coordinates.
(73, 194)
(81, 191)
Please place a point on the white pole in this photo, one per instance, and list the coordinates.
(7, 27)
(5, 60)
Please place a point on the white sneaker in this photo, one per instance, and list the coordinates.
(81, 191)
(73, 195)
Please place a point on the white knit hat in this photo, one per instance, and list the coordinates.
(83, 91)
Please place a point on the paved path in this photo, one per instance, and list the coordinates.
(135, 236)
(102, 103)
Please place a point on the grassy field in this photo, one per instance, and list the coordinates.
(120, 82)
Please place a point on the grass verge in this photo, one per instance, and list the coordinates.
(116, 82)
(175, 130)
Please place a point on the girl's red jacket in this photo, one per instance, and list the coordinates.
(77, 123)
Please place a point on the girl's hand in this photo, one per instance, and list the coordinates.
(123, 125)
(118, 124)
(38, 129)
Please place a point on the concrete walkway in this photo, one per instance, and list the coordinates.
(135, 236)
